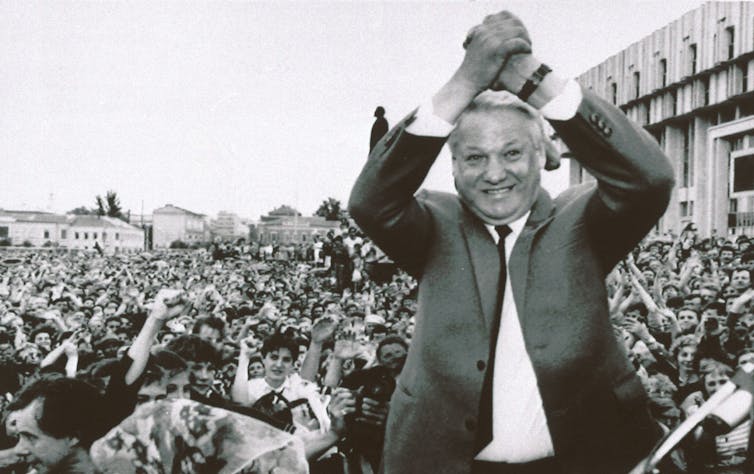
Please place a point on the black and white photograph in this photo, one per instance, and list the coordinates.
(377, 237)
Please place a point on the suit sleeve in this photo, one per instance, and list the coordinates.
(382, 201)
(634, 177)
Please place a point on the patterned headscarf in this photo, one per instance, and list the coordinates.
(174, 436)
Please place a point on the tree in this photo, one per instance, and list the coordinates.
(331, 210)
(82, 211)
(284, 210)
(110, 206)
(178, 244)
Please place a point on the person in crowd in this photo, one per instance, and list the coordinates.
(475, 283)
(56, 421)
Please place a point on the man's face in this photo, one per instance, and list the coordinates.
(151, 392)
(256, 370)
(178, 386)
(392, 356)
(687, 320)
(745, 358)
(726, 256)
(278, 365)
(496, 164)
(695, 302)
(713, 381)
(43, 340)
(112, 325)
(42, 451)
(686, 356)
(740, 279)
(202, 376)
(210, 334)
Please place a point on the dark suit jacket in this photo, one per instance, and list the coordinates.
(594, 403)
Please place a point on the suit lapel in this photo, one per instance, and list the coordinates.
(485, 264)
(485, 261)
(518, 265)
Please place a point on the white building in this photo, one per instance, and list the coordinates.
(71, 231)
(171, 223)
(228, 226)
(36, 228)
(110, 233)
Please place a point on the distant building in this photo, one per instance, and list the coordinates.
(37, 228)
(691, 85)
(228, 226)
(110, 233)
(287, 229)
(171, 223)
(71, 231)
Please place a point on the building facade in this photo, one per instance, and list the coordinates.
(171, 223)
(69, 231)
(691, 85)
(108, 233)
(228, 226)
(292, 229)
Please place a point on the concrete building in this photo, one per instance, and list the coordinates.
(228, 226)
(110, 233)
(37, 228)
(171, 223)
(691, 85)
(69, 231)
(281, 229)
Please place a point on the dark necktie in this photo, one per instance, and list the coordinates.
(484, 435)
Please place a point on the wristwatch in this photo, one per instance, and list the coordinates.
(533, 82)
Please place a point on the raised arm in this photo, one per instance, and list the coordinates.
(168, 304)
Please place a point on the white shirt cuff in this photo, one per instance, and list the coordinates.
(561, 107)
(564, 105)
(427, 124)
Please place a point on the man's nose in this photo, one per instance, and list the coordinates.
(496, 170)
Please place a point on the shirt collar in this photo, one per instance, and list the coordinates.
(516, 227)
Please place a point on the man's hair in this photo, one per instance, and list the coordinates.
(193, 348)
(210, 321)
(717, 306)
(68, 408)
(747, 256)
(498, 101)
(280, 341)
(43, 328)
(640, 307)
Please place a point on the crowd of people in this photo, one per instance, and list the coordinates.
(116, 360)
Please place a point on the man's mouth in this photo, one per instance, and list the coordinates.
(499, 191)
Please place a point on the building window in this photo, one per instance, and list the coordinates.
(86, 235)
(744, 77)
(76, 235)
(733, 205)
(705, 91)
(727, 114)
(647, 113)
(663, 72)
(614, 92)
(3, 232)
(63, 234)
(692, 59)
(104, 236)
(687, 208)
(737, 143)
(637, 83)
(688, 156)
(730, 37)
(47, 234)
(95, 236)
(674, 103)
(117, 236)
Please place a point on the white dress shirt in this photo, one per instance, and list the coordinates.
(519, 425)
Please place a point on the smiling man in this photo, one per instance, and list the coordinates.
(513, 366)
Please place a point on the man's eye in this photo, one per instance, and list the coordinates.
(474, 158)
(513, 153)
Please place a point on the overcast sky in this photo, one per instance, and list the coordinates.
(245, 106)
